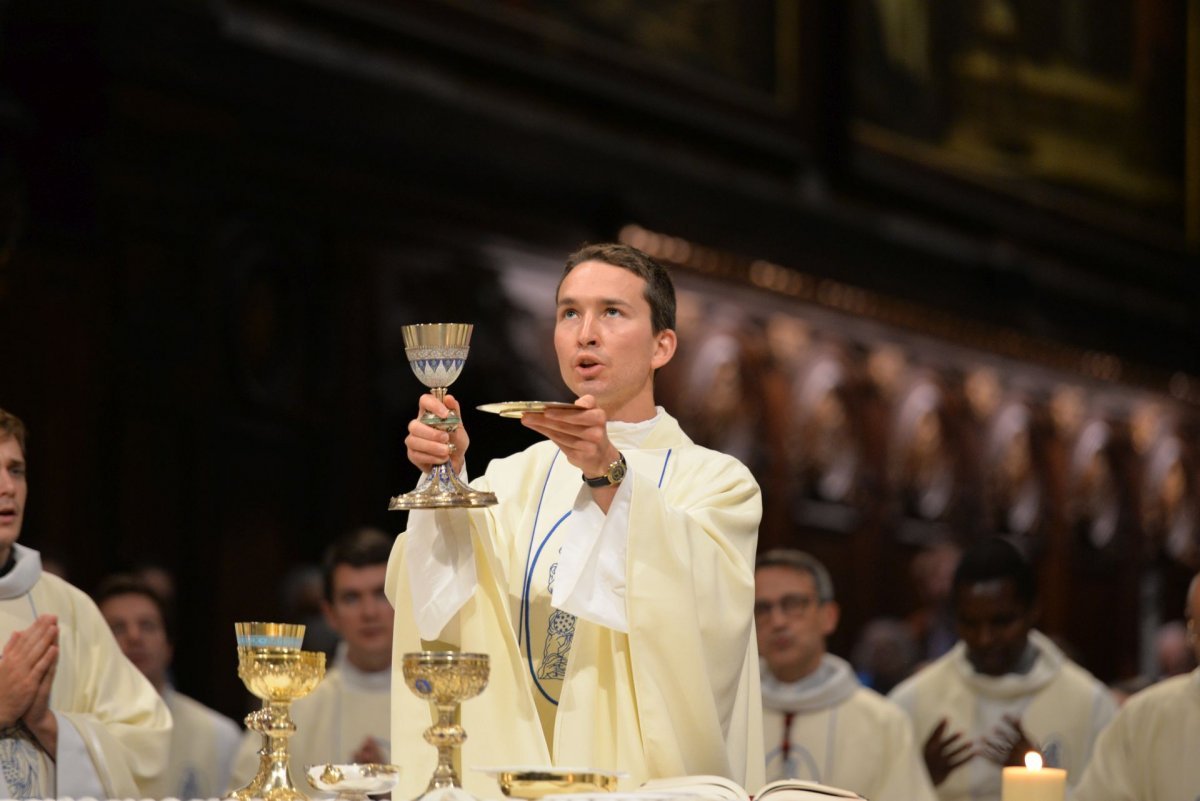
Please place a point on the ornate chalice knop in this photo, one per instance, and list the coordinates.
(273, 668)
(436, 352)
(445, 679)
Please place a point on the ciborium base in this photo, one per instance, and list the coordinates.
(442, 490)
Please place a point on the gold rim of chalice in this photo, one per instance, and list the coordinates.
(261, 634)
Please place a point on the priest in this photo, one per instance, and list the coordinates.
(820, 723)
(612, 585)
(1148, 752)
(1006, 689)
(77, 719)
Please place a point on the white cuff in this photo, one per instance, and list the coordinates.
(590, 580)
(75, 774)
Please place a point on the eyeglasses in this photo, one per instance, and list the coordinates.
(793, 605)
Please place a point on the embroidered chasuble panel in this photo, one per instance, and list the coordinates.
(546, 632)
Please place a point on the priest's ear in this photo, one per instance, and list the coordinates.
(829, 613)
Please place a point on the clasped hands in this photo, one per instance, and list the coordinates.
(27, 666)
(946, 751)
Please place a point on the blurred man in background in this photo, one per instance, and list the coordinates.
(347, 718)
(77, 719)
(820, 723)
(1004, 689)
(1148, 753)
(203, 741)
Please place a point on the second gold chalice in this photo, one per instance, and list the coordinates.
(436, 352)
(273, 668)
(445, 679)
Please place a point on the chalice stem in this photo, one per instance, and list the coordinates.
(448, 736)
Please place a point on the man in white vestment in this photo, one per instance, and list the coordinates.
(203, 741)
(1005, 689)
(77, 719)
(819, 723)
(347, 717)
(1148, 752)
(612, 585)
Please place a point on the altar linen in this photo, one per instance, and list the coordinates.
(1148, 752)
(828, 728)
(113, 728)
(1061, 706)
(633, 628)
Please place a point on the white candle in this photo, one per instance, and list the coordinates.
(1033, 782)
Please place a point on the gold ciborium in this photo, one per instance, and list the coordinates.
(445, 679)
(437, 352)
(273, 668)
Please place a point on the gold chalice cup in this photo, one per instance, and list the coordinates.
(445, 679)
(278, 676)
(437, 352)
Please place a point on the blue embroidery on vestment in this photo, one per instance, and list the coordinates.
(20, 763)
(559, 631)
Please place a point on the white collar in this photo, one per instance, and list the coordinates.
(25, 573)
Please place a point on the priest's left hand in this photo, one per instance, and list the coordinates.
(1008, 744)
(582, 435)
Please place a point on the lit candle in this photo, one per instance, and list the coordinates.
(1033, 782)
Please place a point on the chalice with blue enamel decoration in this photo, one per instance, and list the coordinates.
(437, 352)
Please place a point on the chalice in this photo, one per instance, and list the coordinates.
(437, 352)
(273, 668)
(445, 679)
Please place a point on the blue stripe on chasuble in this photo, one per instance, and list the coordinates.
(560, 627)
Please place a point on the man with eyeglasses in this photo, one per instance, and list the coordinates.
(820, 723)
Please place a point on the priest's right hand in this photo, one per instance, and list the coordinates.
(944, 753)
(429, 446)
(27, 658)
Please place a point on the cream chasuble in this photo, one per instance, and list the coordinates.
(332, 722)
(633, 628)
(828, 728)
(1149, 751)
(203, 746)
(1061, 706)
(114, 729)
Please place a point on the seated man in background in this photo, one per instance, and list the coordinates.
(77, 719)
(1004, 689)
(203, 741)
(820, 723)
(1148, 752)
(347, 718)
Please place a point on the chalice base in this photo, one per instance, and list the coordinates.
(273, 783)
(442, 490)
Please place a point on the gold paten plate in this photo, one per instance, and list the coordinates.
(537, 782)
(519, 408)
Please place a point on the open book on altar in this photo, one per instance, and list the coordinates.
(721, 789)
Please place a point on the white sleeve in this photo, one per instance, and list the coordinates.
(590, 581)
(76, 776)
(441, 566)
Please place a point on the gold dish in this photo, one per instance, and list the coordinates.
(516, 409)
(535, 783)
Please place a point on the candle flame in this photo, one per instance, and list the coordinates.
(1033, 760)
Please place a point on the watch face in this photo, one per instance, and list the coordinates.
(617, 471)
